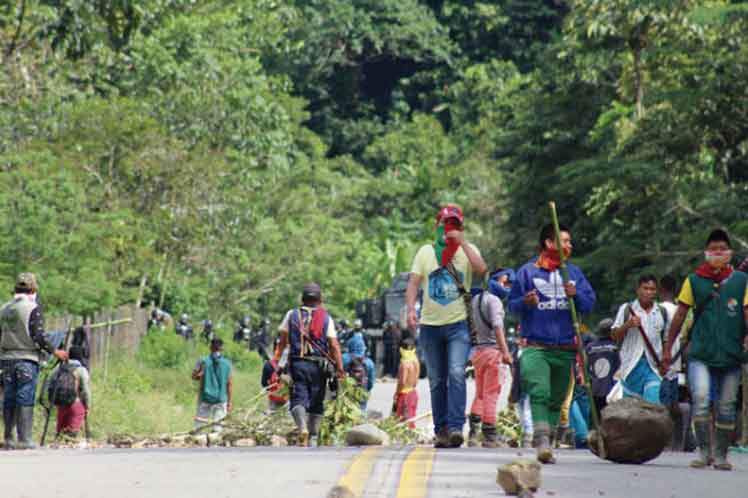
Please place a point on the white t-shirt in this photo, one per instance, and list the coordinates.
(633, 347)
(330, 332)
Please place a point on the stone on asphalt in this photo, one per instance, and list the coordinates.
(519, 478)
(278, 441)
(340, 492)
(635, 431)
(366, 435)
(246, 442)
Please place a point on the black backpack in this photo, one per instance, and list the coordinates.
(63, 389)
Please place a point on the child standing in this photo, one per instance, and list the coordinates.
(406, 395)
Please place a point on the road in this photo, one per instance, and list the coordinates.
(392, 472)
(395, 472)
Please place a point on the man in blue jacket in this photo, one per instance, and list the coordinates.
(541, 299)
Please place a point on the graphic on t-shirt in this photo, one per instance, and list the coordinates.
(442, 287)
(553, 289)
(601, 368)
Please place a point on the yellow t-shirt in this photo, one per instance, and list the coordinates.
(442, 303)
(686, 294)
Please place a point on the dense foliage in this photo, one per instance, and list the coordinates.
(214, 154)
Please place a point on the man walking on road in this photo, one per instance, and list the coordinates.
(718, 346)
(638, 330)
(444, 334)
(310, 331)
(541, 299)
(216, 387)
(22, 341)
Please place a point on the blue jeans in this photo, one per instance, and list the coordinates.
(579, 420)
(19, 380)
(714, 385)
(643, 382)
(446, 349)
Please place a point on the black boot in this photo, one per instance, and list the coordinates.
(9, 419)
(702, 429)
(25, 422)
(489, 436)
(721, 446)
(473, 439)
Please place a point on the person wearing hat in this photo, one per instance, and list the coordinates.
(310, 332)
(22, 343)
(718, 347)
(441, 269)
(604, 362)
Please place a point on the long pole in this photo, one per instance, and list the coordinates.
(577, 329)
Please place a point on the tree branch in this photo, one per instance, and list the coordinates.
(14, 41)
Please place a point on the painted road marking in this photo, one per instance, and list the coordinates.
(414, 478)
(357, 475)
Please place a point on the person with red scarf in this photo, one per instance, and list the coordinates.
(444, 336)
(718, 347)
(310, 333)
(541, 299)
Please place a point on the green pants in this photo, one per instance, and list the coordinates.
(545, 377)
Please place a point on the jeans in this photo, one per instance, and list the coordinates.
(643, 382)
(714, 385)
(19, 380)
(446, 349)
(579, 420)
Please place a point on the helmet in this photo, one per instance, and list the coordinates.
(245, 321)
(343, 323)
(208, 324)
(357, 323)
(155, 313)
(184, 318)
(266, 322)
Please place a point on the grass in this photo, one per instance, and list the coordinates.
(152, 392)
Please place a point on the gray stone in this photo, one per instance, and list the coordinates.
(634, 431)
(246, 442)
(278, 441)
(367, 435)
(519, 478)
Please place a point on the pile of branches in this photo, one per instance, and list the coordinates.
(508, 428)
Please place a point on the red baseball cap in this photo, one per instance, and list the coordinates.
(450, 211)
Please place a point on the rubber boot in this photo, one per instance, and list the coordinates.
(25, 422)
(542, 443)
(315, 422)
(721, 446)
(703, 432)
(489, 436)
(9, 419)
(299, 416)
(441, 439)
(527, 440)
(473, 437)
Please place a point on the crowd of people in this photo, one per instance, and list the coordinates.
(658, 348)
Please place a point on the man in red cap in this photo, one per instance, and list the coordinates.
(444, 334)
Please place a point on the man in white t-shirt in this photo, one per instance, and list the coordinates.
(444, 335)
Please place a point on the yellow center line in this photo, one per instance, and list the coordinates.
(414, 479)
(357, 475)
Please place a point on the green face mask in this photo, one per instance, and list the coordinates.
(440, 243)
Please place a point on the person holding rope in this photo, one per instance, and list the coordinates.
(718, 347)
(314, 358)
(638, 330)
(540, 297)
(22, 342)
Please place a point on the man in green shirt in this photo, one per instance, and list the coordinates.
(216, 387)
(718, 349)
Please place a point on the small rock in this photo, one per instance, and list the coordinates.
(518, 477)
(374, 415)
(340, 492)
(367, 435)
(278, 441)
(246, 442)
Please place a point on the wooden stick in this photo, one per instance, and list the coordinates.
(577, 329)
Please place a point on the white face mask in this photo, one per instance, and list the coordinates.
(718, 258)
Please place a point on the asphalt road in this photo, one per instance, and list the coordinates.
(396, 472)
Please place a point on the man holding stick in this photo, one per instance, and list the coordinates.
(541, 299)
(718, 346)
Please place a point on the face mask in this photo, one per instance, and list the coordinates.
(718, 258)
(215, 355)
(498, 290)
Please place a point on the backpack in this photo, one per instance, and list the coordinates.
(357, 370)
(63, 389)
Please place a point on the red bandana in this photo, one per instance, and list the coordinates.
(707, 271)
(550, 260)
(317, 325)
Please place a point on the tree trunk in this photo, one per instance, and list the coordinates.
(638, 83)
